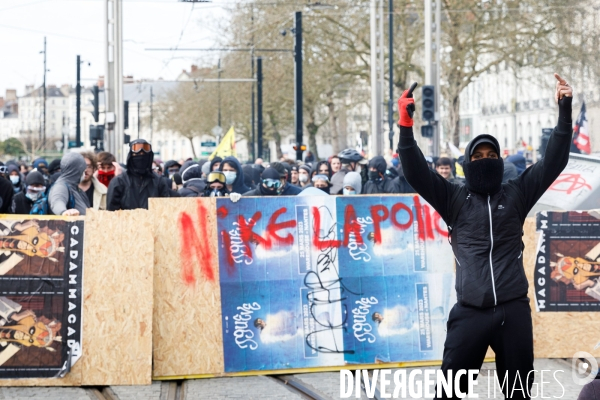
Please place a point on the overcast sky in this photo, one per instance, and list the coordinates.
(75, 27)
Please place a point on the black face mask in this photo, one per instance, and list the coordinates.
(140, 165)
(325, 189)
(268, 191)
(484, 176)
(374, 175)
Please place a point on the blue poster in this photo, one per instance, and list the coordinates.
(330, 281)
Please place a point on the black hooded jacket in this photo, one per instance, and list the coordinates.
(20, 186)
(238, 185)
(193, 183)
(383, 185)
(214, 161)
(131, 189)
(486, 232)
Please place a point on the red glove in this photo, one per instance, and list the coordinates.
(404, 103)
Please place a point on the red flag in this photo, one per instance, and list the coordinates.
(581, 137)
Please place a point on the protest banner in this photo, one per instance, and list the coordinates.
(300, 282)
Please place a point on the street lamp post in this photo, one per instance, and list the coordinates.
(298, 82)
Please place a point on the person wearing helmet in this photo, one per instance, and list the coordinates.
(350, 160)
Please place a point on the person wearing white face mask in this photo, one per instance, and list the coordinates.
(15, 178)
(23, 202)
(304, 176)
(234, 176)
(352, 184)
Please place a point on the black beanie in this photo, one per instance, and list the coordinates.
(270, 173)
(35, 178)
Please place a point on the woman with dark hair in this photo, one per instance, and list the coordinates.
(324, 168)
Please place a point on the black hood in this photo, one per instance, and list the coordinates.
(378, 162)
(54, 166)
(168, 165)
(249, 176)
(148, 157)
(238, 185)
(471, 146)
(191, 172)
(214, 161)
(483, 176)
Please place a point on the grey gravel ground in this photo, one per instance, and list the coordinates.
(326, 384)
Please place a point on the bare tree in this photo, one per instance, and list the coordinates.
(482, 35)
(32, 144)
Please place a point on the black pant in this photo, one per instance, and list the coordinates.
(507, 328)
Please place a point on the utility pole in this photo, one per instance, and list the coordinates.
(43, 130)
(219, 90)
(254, 144)
(138, 118)
(391, 56)
(78, 104)
(114, 77)
(298, 82)
(151, 113)
(428, 30)
(260, 105)
(438, 69)
(376, 76)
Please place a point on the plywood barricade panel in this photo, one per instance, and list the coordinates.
(187, 306)
(557, 334)
(117, 314)
(118, 327)
(187, 311)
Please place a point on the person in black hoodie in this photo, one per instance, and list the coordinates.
(23, 201)
(215, 164)
(193, 183)
(288, 189)
(133, 188)
(249, 176)
(15, 177)
(378, 181)
(271, 184)
(485, 219)
(234, 175)
(172, 167)
(403, 185)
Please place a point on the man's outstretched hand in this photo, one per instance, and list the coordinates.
(405, 104)
(563, 89)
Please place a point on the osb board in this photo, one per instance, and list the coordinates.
(187, 297)
(558, 334)
(118, 290)
(117, 305)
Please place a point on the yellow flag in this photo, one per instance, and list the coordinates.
(226, 147)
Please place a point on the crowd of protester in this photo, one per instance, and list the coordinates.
(78, 181)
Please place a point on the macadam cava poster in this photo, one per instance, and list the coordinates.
(567, 271)
(324, 281)
(41, 270)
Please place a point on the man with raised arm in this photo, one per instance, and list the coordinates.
(485, 220)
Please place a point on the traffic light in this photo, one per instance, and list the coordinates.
(126, 114)
(96, 103)
(302, 147)
(126, 139)
(428, 102)
(96, 133)
(427, 131)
